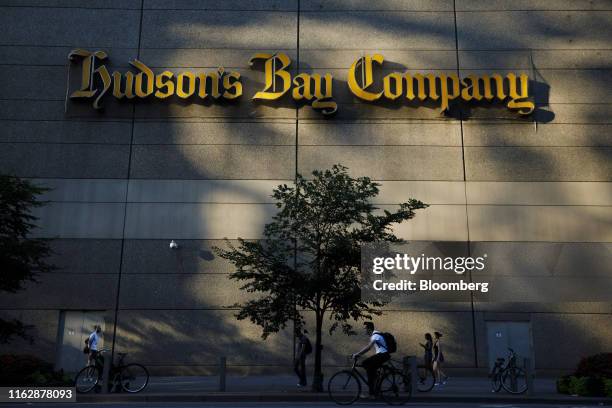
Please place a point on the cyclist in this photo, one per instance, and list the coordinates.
(92, 343)
(373, 363)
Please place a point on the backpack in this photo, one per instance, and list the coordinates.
(307, 347)
(390, 342)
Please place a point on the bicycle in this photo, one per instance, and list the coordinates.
(511, 377)
(426, 378)
(131, 377)
(392, 385)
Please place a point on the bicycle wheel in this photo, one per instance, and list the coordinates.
(514, 380)
(496, 382)
(426, 380)
(133, 377)
(87, 379)
(344, 387)
(395, 388)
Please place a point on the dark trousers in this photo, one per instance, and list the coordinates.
(300, 368)
(371, 365)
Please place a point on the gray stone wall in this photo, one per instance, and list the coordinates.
(535, 193)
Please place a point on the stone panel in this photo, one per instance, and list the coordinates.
(394, 134)
(534, 60)
(83, 190)
(86, 256)
(429, 192)
(270, 5)
(151, 337)
(398, 59)
(547, 29)
(540, 223)
(213, 162)
(538, 163)
(148, 256)
(218, 132)
(218, 29)
(66, 132)
(66, 291)
(94, 4)
(528, 134)
(197, 221)
(203, 191)
(537, 193)
(80, 220)
(436, 223)
(386, 162)
(571, 341)
(180, 291)
(377, 30)
(64, 160)
(498, 5)
(77, 27)
(387, 5)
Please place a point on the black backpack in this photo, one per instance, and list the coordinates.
(390, 342)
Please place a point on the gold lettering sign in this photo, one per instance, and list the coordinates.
(145, 83)
(316, 89)
(443, 88)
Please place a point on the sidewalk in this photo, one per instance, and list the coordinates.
(283, 388)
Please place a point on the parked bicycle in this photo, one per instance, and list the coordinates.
(512, 378)
(392, 385)
(130, 378)
(426, 379)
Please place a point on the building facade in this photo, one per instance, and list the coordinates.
(534, 192)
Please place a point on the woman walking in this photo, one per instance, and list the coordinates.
(438, 360)
(428, 350)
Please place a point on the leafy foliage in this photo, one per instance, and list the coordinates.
(598, 365)
(309, 257)
(21, 257)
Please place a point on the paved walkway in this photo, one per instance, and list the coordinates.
(283, 388)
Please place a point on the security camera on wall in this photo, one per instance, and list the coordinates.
(173, 244)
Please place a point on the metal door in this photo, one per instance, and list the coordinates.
(74, 328)
(502, 335)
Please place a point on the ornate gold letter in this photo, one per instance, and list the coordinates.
(366, 69)
(272, 72)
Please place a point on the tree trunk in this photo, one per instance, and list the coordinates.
(317, 379)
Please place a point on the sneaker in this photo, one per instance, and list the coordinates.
(364, 396)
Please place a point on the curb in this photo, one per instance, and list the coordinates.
(323, 397)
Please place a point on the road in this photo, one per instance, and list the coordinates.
(303, 405)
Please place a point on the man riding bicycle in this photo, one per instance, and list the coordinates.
(373, 363)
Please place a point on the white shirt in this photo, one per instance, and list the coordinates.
(379, 342)
(93, 341)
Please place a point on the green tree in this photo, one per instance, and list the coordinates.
(21, 257)
(309, 258)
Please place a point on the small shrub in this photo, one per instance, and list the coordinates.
(598, 365)
(22, 370)
(587, 386)
(608, 387)
(563, 385)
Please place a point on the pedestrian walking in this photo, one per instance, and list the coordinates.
(304, 348)
(438, 360)
(428, 350)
